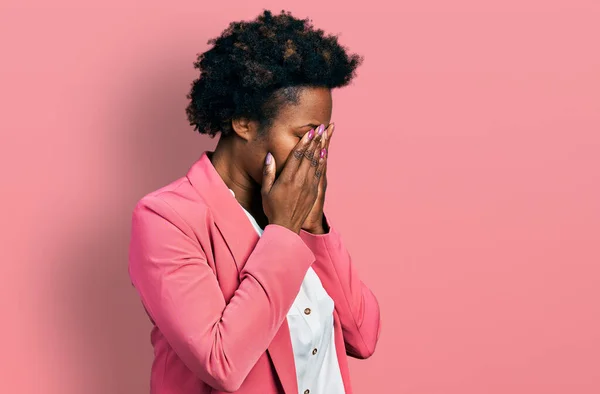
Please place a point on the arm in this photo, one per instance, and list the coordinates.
(356, 304)
(181, 293)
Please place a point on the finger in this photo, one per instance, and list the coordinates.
(325, 147)
(319, 173)
(297, 155)
(327, 136)
(324, 174)
(311, 156)
(268, 174)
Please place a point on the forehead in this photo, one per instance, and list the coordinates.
(314, 106)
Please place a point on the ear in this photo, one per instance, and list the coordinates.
(244, 128)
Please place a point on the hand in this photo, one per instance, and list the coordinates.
(315, 222)
(288, 200)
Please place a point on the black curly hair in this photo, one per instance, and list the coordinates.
(255, 67)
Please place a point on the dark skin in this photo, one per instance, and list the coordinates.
(239, 158)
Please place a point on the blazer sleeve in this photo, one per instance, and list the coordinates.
(355, 303)
(219, 342)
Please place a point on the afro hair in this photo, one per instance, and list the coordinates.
(255, 67)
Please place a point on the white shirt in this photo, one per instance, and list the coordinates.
(310, 320)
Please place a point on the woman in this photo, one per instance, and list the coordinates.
(247, 282)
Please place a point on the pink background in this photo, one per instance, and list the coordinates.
(464, 177)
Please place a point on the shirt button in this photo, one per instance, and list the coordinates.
(307, 311)
(306, 391)
(314, 351)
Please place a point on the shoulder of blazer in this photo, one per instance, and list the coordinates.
(180, 204)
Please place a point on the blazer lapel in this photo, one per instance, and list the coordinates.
(241, 238)
(282, 355)
(237, 231)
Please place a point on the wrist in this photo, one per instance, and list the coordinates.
(315, 230)
(289, 226)
(322, 228)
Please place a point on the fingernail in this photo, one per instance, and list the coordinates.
(323, 152)
(311, 134)
(321, 129)
(268, 160)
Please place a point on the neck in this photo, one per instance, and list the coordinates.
(247, 191)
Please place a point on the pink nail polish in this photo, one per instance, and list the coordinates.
(321, 129)
(323, 152)
(311, 134)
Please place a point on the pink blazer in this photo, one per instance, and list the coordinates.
(218, 294)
